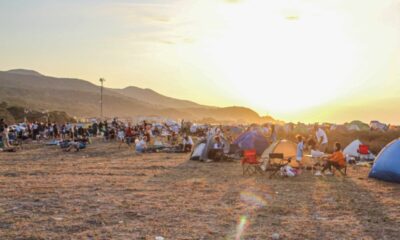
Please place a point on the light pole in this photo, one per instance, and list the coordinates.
(102, 80)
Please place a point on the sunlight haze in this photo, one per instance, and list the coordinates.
(297, 60)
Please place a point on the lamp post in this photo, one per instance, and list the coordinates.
(26, 111)
(102, 80)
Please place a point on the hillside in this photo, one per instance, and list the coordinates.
(157, 99)
(81, 98)
(15, 114)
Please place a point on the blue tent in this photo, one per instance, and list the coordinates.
(387, 164)
(252, 140)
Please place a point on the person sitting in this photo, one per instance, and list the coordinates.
(187, 144)
(217, 152)
(336, 160)
(141, 145)
(77, 144)
(73, 145)
(289, 171)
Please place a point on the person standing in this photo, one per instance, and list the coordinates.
(2, 124)
(129, 135)
(5, 139)
(187, 144)
(94, 129)
(322, 138)
(35, 131)
(2, 129)
(55, 131)
(300, 150)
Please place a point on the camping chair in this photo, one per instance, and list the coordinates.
(275, 162)
(250, 164)
(342, 170)
(363, 150)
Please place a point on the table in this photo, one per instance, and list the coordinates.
(315, 160)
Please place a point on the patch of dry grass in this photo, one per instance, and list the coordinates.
(106, 193)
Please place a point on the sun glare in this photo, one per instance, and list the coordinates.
(279, 60)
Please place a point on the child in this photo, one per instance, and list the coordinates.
(289, 171)
(300, 149)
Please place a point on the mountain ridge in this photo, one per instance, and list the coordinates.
(81, 98)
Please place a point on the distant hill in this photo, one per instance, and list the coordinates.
(16, 114)
(155, 98)
(81, 98)
(25, 72)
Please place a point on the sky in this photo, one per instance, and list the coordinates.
(297, 60)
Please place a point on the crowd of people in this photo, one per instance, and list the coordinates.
(143, 136)
(153, 137)
(318, 149)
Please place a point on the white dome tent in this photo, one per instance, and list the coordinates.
(351, 151)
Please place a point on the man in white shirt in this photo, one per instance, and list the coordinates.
(322, 138)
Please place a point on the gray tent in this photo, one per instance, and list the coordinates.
(202, 148)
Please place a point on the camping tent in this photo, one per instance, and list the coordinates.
(357, 126)
(378, 126)
(387, 165)
(353, 127)
(286, 147)
(252, 140)
(203, 147)
(352, 150)
(236, 130)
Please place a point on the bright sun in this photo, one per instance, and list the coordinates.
(281, 60)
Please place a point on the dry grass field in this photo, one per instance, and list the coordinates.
(106, 193)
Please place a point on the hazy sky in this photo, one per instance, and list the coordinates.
(310, 60)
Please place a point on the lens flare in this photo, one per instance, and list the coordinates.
(253, 199)
(243, 223)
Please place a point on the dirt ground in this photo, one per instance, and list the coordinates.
(106, 193)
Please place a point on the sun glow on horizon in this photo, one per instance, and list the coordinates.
(275, 64)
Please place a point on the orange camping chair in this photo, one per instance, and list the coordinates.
(250, 164)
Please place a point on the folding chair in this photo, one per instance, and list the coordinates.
(363, 150)
(250, 164)
(342, 170)
(275, 162)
